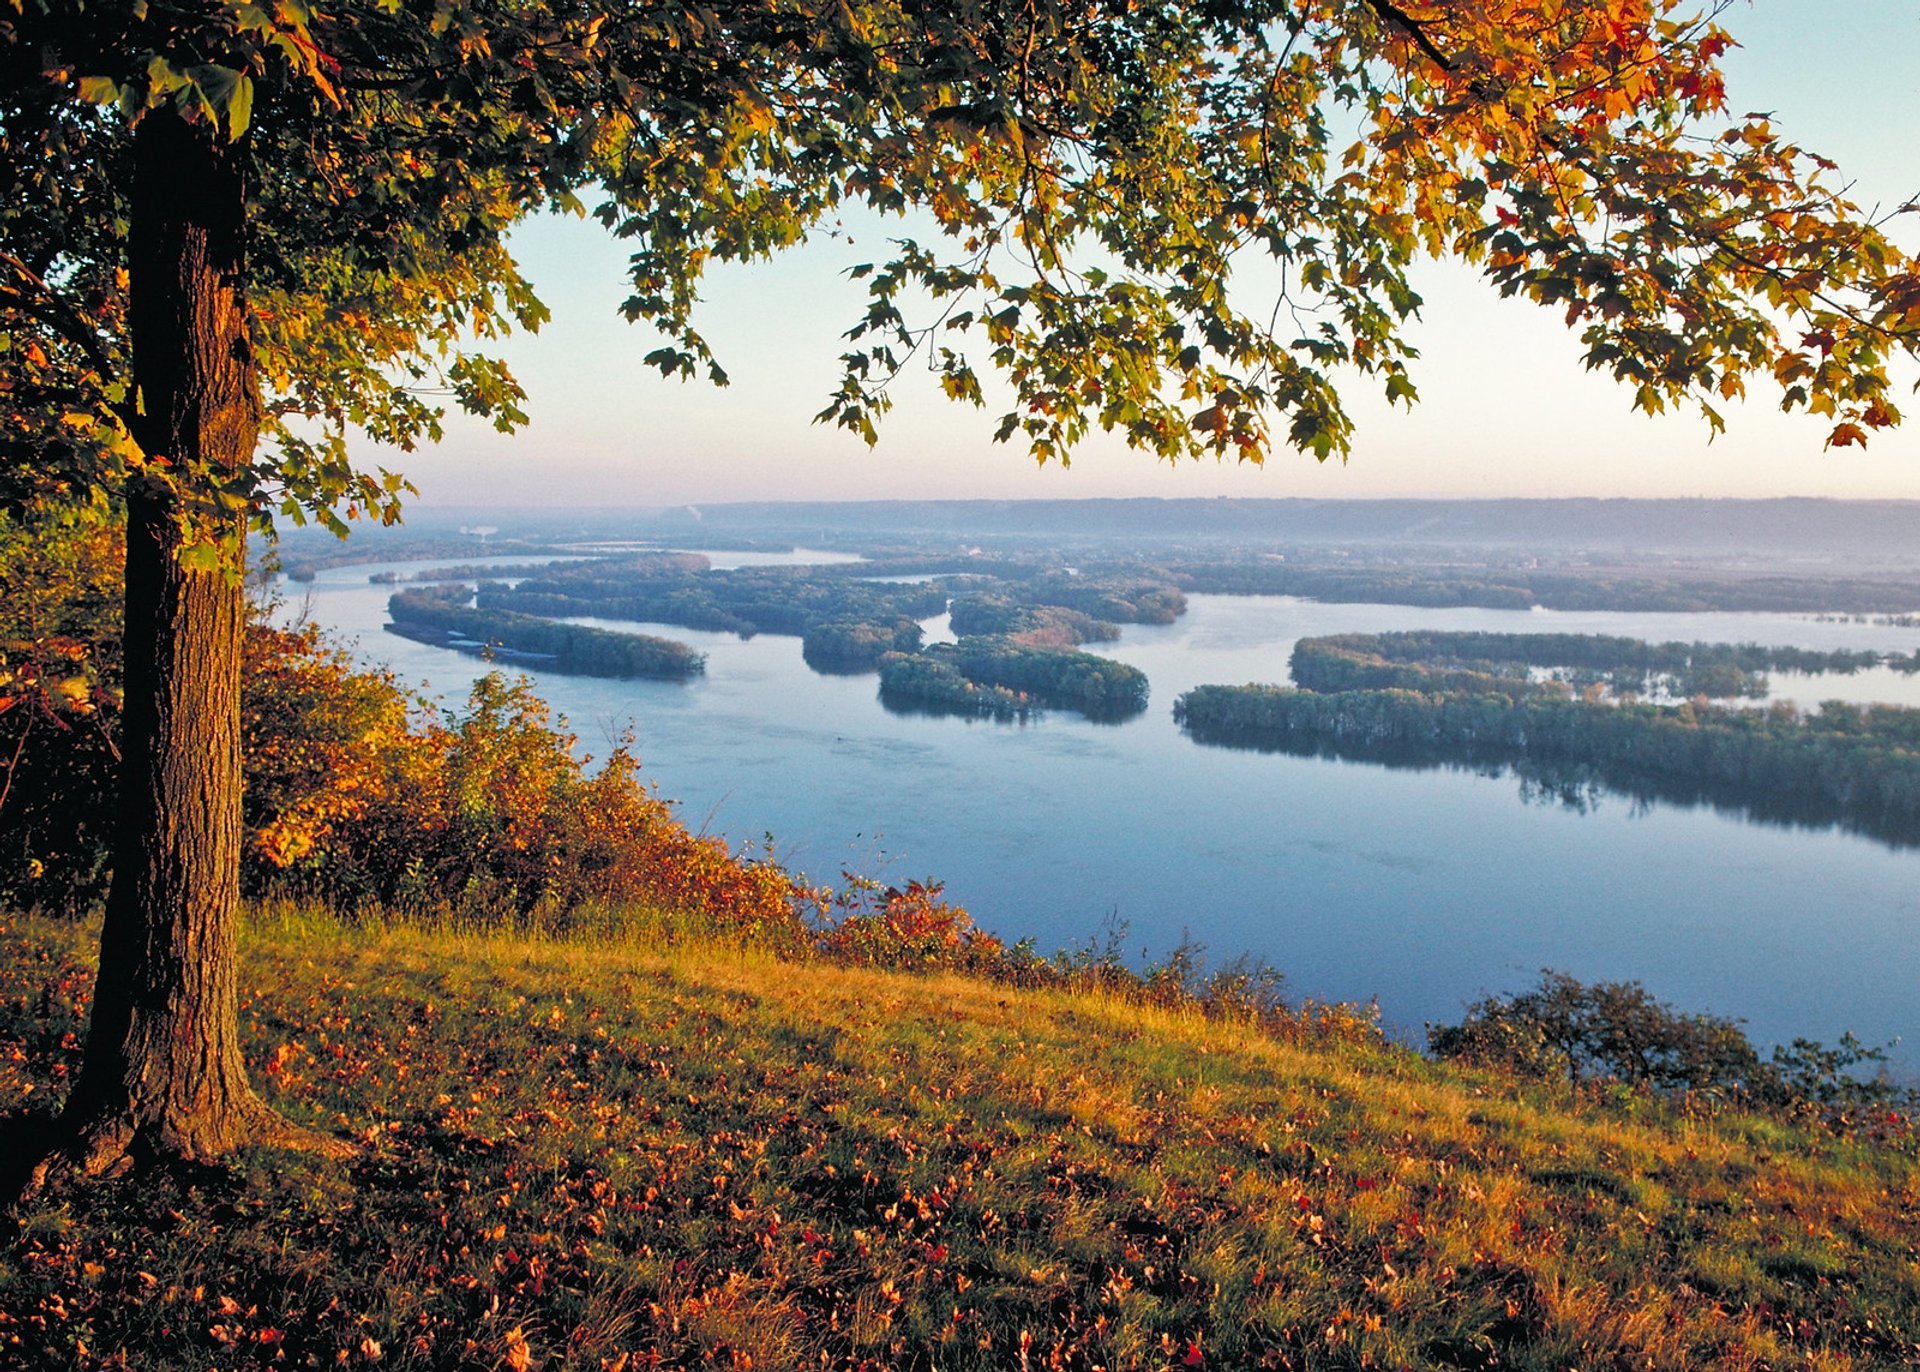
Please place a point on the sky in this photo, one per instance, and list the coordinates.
(1506, 408)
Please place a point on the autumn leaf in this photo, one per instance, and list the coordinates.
(519, 1354)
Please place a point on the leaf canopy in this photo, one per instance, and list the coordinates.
(1100, 173)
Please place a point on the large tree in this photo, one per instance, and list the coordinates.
(234, 233)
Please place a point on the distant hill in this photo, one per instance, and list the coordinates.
(1852, 533)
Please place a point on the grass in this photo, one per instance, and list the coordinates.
(611, 1155)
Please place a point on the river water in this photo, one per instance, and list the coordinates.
(1424, 889)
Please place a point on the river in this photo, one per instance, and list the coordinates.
(1425, 889)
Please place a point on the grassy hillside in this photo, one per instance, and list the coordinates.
(622, 1156)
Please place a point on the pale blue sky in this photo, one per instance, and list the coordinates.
(1505, 408)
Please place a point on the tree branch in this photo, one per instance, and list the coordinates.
(45, 306)
(1405, 22)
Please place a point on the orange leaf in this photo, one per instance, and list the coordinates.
(519, 1355)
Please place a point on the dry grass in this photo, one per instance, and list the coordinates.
(696, 1156)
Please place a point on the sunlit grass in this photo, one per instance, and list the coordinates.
(653, 1148)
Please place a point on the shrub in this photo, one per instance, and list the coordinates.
(1613, 1030)
(59, 709)
(1617, 1032)
(489, 816)
(1812, 1075)
(324, 745)
(905, 927)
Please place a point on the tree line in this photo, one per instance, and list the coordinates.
(849, 622)
(1108, 595)
(850, 646)
(995, 613)
(1610, 652)
(1504, 589)
(441, 619)
(1448, 660)
(1000, 677)
(739, 600)
(1857, 766)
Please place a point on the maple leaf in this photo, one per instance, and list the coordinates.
(519, 1353)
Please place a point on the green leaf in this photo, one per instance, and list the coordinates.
(240, 111)
(227, 94)
(200, 557)
(99, 90)
(162, 78)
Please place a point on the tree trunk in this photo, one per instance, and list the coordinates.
(163, 1075)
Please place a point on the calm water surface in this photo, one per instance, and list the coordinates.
(1423, 888)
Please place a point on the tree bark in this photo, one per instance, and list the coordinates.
(163, 1074)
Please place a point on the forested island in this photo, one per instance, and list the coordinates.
(1408, 699)
(1004, 679)
(1063, 575)
(1502, 589)
(1017, 632)
(850, 647)
(443, 619)
(684, 591)
(1527, 664)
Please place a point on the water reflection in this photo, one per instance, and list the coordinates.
(1579, 787)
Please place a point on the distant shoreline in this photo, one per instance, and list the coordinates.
(1803, 531)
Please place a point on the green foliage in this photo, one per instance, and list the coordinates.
(1005, 677)
(443, 618)
(1097, 179)
(741, 600)
(1607, 1030)
(1829, 1079)
(1054, 610)
(1851, 765)
(930, 682)
(1109, 596)
(857, 646)
(1504, 589)
(1492, 663)
(848, 623)
(997, 614)
(1616, 1031)
(59, 707)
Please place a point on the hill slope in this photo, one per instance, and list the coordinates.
(602, 1156)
